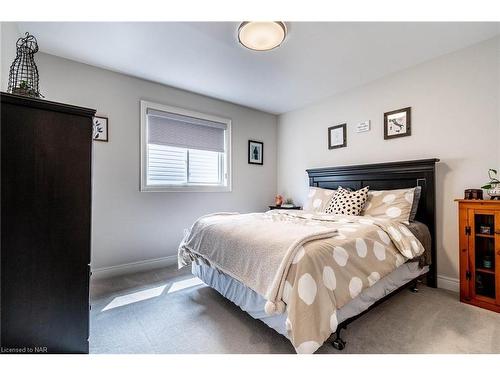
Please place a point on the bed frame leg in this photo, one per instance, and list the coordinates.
(338, 343)
(414, 287)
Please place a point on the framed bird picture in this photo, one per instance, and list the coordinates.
(397, 123)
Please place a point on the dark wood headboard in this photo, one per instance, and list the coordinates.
(385, 176)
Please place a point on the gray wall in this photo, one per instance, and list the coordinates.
(455, 117)
(8, 37)
(128, 225)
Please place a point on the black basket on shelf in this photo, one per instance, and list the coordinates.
(23, 74)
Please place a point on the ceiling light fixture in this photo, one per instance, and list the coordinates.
(262, 36)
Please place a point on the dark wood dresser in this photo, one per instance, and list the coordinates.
(479, 225)
(46, 191)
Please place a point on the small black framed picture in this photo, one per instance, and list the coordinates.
(397, 123)
(337, 136)
(255, 152)
(100, 129)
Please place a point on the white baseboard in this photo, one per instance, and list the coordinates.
(448, 283)
(141, 266)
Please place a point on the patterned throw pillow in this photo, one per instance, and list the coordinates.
(347, 202)
(390, 204)
(318, 199)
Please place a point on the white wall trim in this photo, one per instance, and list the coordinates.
(448, 283)
(140, 266)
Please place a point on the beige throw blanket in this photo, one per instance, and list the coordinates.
(267, 243)
(311, 264)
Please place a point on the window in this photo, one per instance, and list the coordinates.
(183, 150)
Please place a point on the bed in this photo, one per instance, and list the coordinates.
(275, 305)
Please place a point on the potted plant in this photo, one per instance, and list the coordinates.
(25, 89)
(493, 187)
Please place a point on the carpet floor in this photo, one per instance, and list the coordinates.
(170, 311)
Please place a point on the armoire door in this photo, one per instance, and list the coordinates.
(46, 212)
(482, 245)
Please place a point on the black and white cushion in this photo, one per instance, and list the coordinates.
(347, 202)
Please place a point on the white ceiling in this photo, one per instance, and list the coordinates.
(317, 60)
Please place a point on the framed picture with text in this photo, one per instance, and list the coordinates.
(337, 136)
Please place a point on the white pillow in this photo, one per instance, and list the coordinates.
(318, 199)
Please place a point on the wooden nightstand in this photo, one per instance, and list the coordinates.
(479, 225)
(285, 208)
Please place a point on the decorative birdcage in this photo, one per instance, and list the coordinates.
(23, 75)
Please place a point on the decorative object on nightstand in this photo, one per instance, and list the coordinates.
(288, 204)
(493, 187)
(479, 225)
(278, 200)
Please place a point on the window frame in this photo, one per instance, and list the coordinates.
(144, 187)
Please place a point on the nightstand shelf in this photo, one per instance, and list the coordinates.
(479, 222)
(485, 270)
(485, 235)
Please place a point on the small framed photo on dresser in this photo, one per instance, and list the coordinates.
(100, 129)
(397, 123)
(337, 136)
(255, 152)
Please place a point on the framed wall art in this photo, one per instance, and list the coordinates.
(100, 129)
(337, 136)
(255, 152)
(397, 123)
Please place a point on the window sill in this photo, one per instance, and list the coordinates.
(185, 189)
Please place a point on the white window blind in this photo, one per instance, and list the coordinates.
(175, 130)
(166, 165)
(184, 150)
(205, 166)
